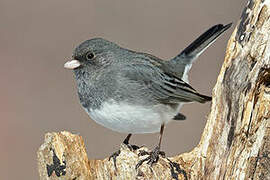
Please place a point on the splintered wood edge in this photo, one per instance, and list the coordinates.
(63, 155)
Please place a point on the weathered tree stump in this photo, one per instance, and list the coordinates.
(235, 143)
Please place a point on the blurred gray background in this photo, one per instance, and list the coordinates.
(38, 95)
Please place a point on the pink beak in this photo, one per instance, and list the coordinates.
(72, 64)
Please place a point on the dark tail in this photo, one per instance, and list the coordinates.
(189, 54)
(204, 40)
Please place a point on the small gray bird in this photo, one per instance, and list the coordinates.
(133, 92)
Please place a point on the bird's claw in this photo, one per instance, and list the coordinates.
(152, 158)
(114, 156)
(131, 147)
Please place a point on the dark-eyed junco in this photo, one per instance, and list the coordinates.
(133, 92)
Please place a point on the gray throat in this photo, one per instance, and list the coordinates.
(90, 93)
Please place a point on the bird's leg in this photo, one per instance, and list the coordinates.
(153, 155)
(130, 146)
(125, 142)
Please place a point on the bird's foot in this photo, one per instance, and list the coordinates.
(131, 147)
(114, 156)
(152, 158)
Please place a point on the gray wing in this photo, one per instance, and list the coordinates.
(163, 86)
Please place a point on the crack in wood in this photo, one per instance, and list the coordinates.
(175, 166)
(56, 166)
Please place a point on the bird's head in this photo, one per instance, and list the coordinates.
(92, 54)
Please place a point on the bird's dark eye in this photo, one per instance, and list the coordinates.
(90, 56)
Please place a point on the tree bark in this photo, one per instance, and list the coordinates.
(235, 143)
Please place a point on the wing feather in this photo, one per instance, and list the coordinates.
(163, 86)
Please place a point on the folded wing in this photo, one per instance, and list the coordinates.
(163, 86)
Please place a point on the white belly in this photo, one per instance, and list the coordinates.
(127, 118)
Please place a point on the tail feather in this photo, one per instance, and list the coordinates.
(204, 40)
(181, 64)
